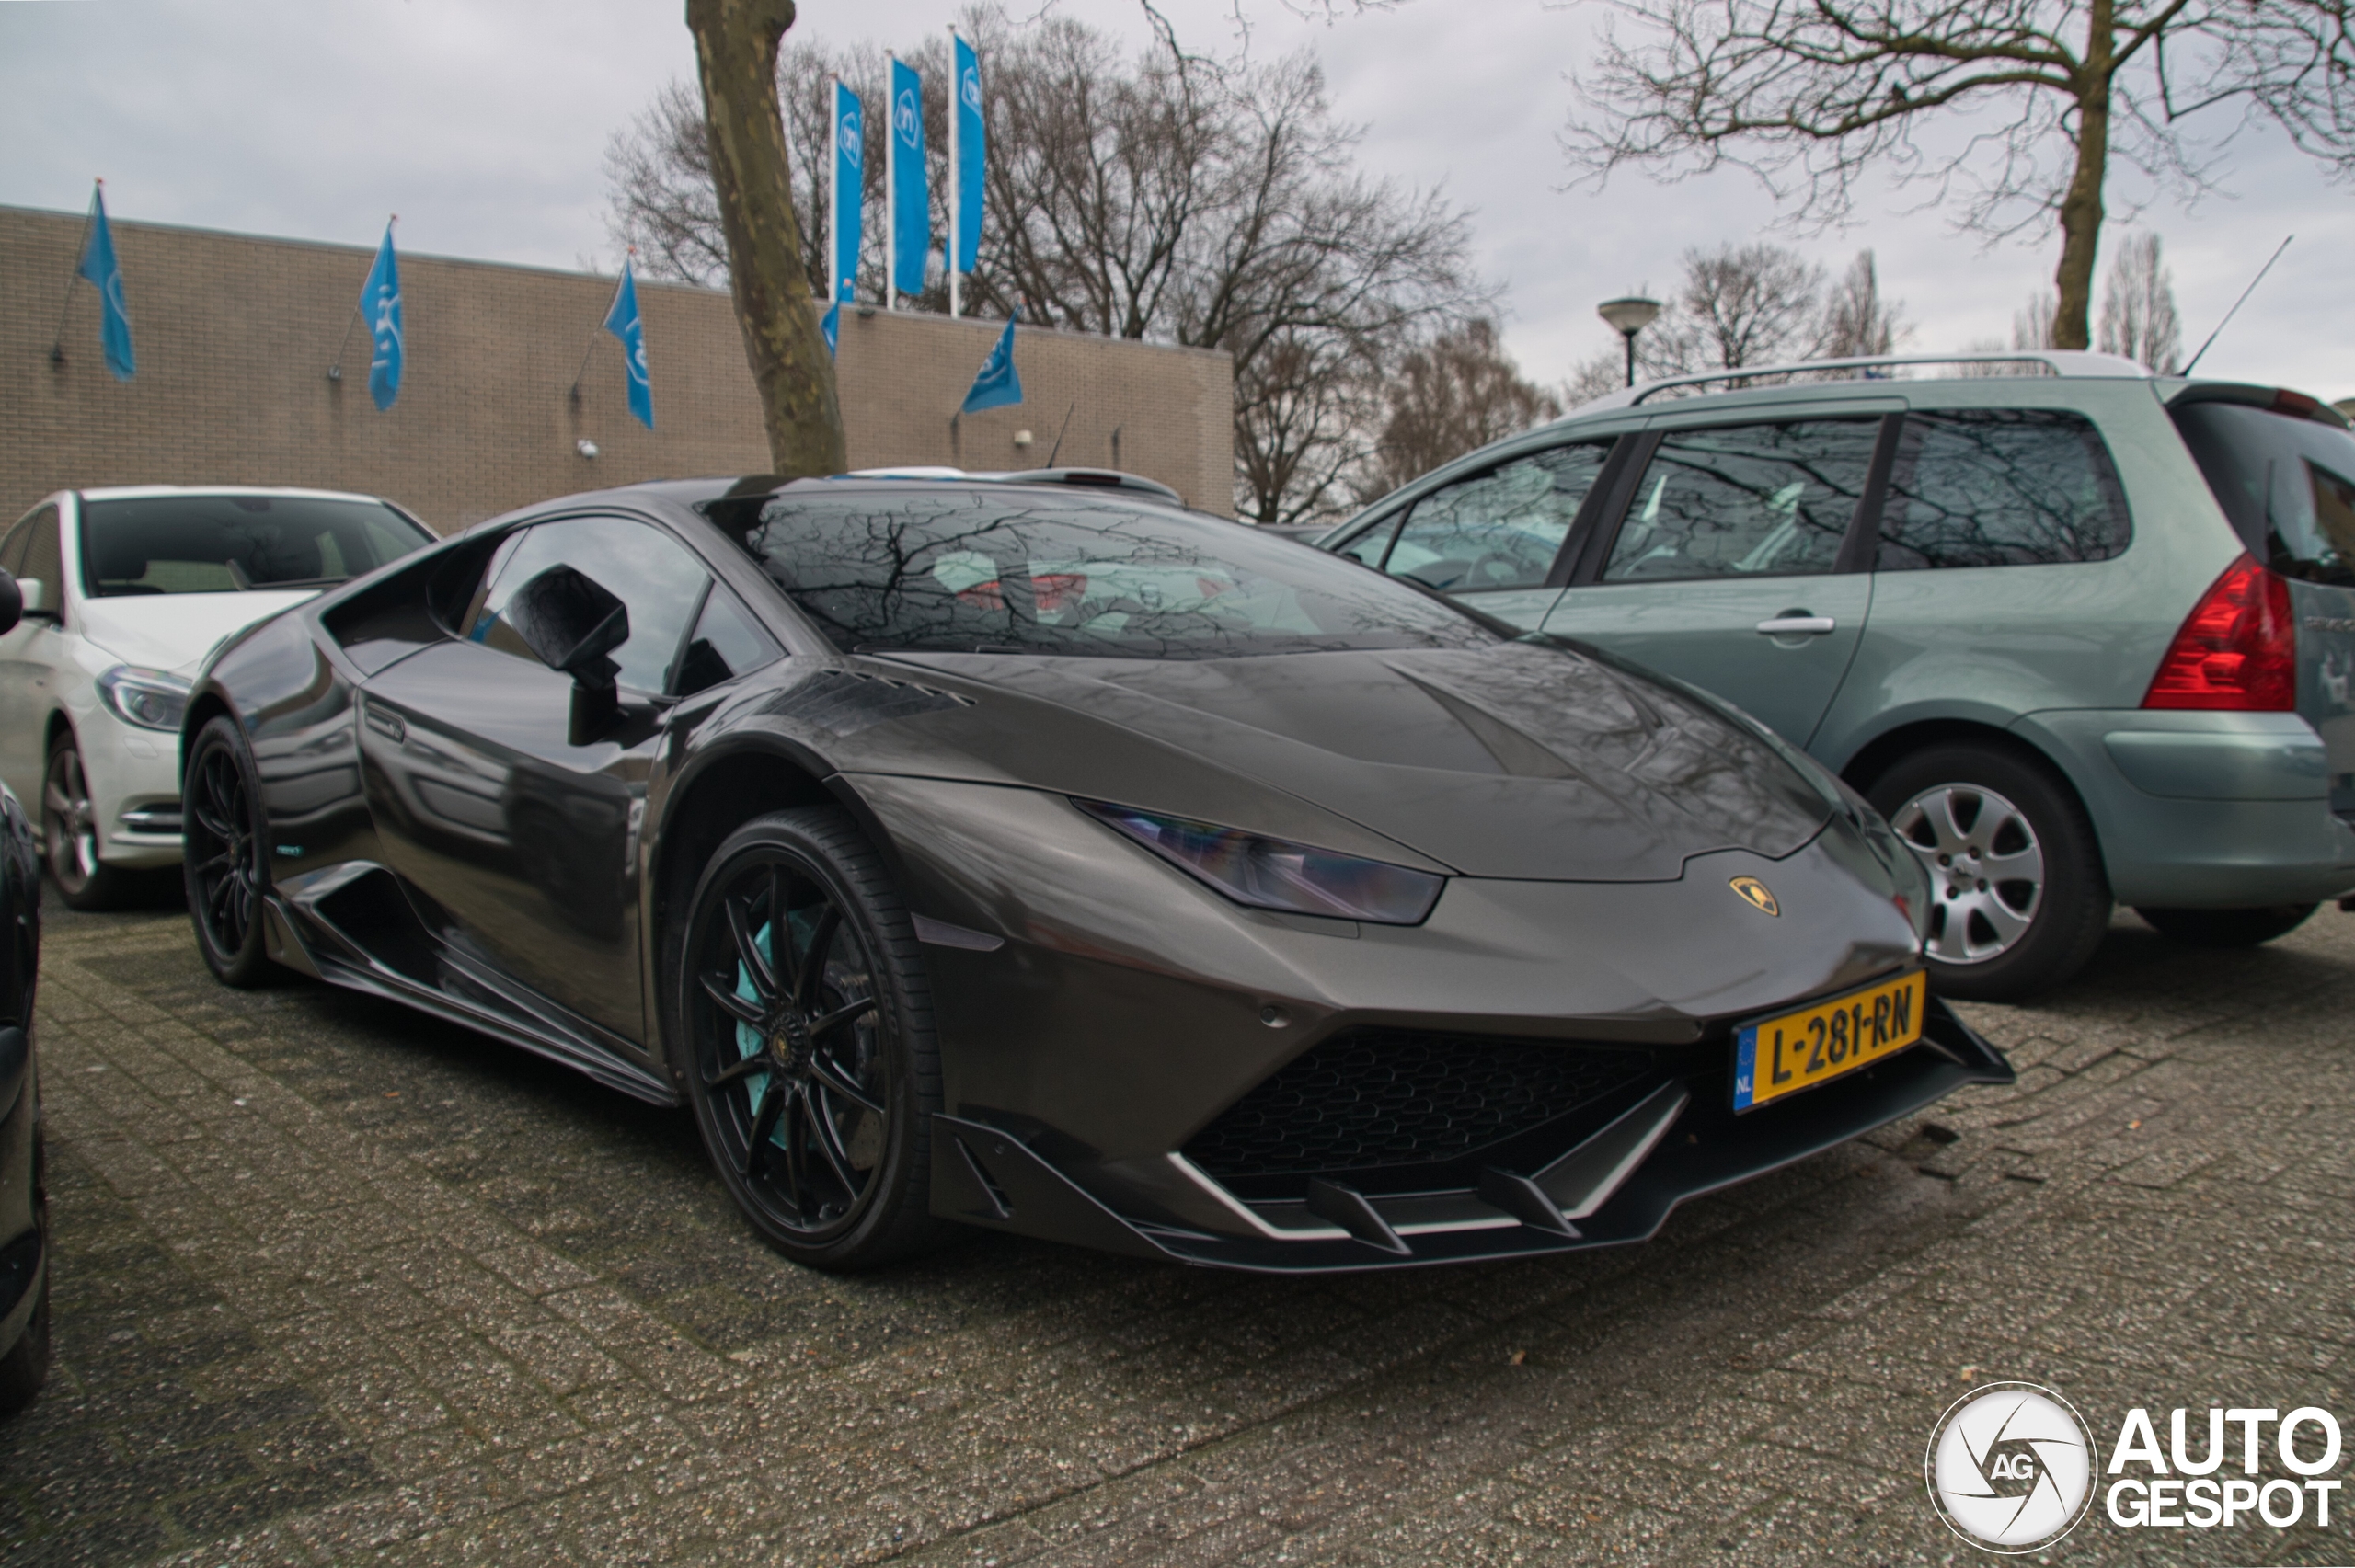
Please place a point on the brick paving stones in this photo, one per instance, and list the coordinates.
(338, 1282)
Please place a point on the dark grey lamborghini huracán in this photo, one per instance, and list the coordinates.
(1045, 857)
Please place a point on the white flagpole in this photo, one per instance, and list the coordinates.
(956, 183)
(890, 182)
(833, 191)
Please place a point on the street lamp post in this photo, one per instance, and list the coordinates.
(1628, 316)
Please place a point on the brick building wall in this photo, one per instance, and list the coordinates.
(234, 334)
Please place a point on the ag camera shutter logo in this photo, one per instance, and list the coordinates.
(2010, 1467)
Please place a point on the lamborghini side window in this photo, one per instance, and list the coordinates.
(727, 642)
(655, 576)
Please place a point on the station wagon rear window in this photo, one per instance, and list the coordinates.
(2001, 488)
(2287, 482)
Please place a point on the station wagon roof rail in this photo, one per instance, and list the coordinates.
(2056, 362)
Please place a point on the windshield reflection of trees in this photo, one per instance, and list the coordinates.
(2000, 488)
(951, 576)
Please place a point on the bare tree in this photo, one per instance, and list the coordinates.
(1173, 200)
(1157, 196)
(1458, 392)
(1736, 305)
(736, 48)
(1304, 411)
(658, 172)
(2138, 315)
(2032, 323)
(1598, 375)
(2047, 93)
(1856, 320)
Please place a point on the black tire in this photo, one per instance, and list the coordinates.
(2227, 927)
(1968, 808)
(826, 1146)
(24, 1367)
(225, 859)
(69, 835)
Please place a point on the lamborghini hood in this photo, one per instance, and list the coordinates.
(1519, 760)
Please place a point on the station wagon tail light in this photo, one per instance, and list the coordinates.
(2236, 650)
(1270, 874)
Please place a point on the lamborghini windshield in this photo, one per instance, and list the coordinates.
(958, 569)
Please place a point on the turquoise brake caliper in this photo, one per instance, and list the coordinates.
(748, 1039)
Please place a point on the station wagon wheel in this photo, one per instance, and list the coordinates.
(222, 855)
(1986, 869)
(806, 1039)
(2019, 899)
(70, 833)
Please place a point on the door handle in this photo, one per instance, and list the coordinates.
(1789, 626)
(387, 725)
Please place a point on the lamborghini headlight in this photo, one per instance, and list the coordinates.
(1270, 873)
(148, 698)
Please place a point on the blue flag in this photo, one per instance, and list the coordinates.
(910, 190)
(380, 308)
(100, 267)
(972, 141)
(831, 324)
(623, 323)
(850, 191)
(999, 383)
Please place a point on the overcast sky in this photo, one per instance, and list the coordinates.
(484, 125)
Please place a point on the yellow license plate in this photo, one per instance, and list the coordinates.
(1797, 1050)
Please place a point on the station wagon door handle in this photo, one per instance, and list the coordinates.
(1789, 625)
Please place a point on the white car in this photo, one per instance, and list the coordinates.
(125, 592)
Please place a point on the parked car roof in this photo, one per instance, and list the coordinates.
(151, 492)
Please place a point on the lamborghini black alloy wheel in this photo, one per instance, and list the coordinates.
(792, 1023)
(222, 855)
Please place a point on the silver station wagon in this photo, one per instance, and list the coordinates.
(2083, 635)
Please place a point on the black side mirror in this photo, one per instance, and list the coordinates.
(12, 604)
(571, 624)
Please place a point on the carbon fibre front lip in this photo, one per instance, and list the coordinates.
(988, 1176)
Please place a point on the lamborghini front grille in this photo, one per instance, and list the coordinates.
(1388, 1097)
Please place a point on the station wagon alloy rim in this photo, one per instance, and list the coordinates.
(1986, 869)
(787, 1045)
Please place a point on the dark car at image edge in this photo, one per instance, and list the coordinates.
(1051, 860)
(24, 1199)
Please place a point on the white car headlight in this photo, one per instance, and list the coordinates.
(148, 698)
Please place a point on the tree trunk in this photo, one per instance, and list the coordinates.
(736, 48)
(2081, 205)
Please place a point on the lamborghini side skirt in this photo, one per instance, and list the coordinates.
(457, 986)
